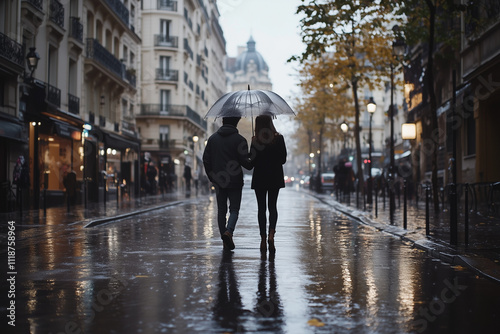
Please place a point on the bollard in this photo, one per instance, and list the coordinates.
(364, 201)
(399, 196)
(117, 195)
(405, 213)
(357, 196)
(466, 215)
(427, 196)
(376, 203)
(383, 197)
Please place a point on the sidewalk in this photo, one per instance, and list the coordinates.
(482, 255)
(94, 214)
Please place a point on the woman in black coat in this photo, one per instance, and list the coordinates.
(268, 154)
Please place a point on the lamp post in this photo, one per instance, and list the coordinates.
(408, 132)
(32, 58)
(195, 141)
(344, 127)
(398, 49)
(371, 107)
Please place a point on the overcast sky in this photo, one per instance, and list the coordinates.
(275, 29)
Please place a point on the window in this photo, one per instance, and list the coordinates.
(165, 28)
(125, 54)
(164, 131)
(124, 107)
(164, 67)
(164, 100)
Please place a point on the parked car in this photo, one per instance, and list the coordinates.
(327, 181)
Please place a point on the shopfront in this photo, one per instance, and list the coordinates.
(59, 152)
(111, 166)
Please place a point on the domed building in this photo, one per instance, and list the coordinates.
(248, 68)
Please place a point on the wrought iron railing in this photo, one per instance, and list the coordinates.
(167, 5)
(73, 104)
(57, 13)
(187, 48)
(119, 9)
(36, 3)
(131, 77)
(167, 75)
(169, 41)
(76, 29)
(173, 111)
(11, 50)
(99, 53)
(53, 95)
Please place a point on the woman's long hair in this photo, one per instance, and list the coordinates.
(265, 132)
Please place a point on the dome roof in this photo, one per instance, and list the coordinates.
(250, 56)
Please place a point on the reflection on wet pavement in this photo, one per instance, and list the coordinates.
(165, 272)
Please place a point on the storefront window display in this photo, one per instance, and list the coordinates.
(58, 157)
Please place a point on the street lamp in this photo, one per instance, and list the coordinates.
(398, 49)
(344, 127)
(371, 107)
(32, 57)
(408, 131)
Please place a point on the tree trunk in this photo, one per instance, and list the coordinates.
(433, 130)
(356, 136)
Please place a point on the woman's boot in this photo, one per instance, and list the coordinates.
(263, 245)
(270, 240)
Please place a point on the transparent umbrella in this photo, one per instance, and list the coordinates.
(249, 103)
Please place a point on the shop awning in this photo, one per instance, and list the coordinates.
(66, 130)
(12, 131)
(121, 143)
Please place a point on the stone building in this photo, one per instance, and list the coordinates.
(182, 76)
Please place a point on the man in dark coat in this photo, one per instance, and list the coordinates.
(226, 152)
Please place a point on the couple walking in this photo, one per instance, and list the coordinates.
(226, 152)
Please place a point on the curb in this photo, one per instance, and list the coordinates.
(480, 265)
(101, 221)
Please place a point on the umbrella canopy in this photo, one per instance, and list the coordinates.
(244, 103)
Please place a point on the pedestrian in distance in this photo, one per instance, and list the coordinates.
(188, 177)
(225, 153)
(268, 154)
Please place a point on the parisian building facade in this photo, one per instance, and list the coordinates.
(182, 76)
(84, 92)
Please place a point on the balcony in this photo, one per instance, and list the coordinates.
(131, 77)
(167, 5)
(120, 10)
(57, 13)
(56, 19)
(76, 29)
(73, 104)
(43, 95)
(75, 40)
(12, 52)
(99, 53)
(33, 11)
(53, 95)
(166, 41)
(175, 111)
(187, 49)
(167, 75)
